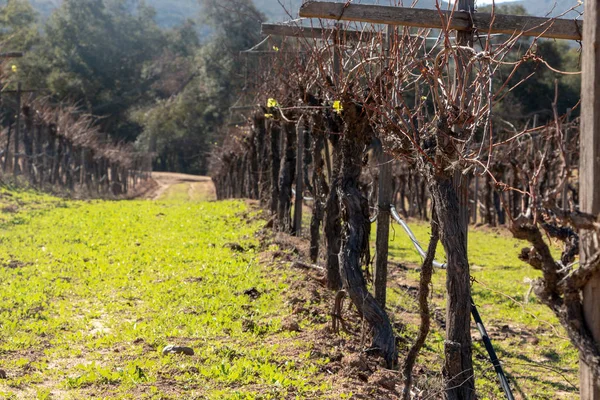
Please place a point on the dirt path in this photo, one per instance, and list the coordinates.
(173, 186)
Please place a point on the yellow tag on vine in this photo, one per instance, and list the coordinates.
(272, 103)
(268, 116)
(337, 106)
(14, 68)
(275, 48)
(423, 98)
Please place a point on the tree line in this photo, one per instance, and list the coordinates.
(167, 91)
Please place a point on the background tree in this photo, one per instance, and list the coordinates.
(95, 53)
(181, 128)
(18, 30)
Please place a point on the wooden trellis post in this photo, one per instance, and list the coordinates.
(16, 167)
(384, 200)
(565, 194)
(589, 183)
(299, 198)
(461, 182)
(337, 63)
(458, 359)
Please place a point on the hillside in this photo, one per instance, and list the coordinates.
(167, 13)
(170, 13)
(552, 8)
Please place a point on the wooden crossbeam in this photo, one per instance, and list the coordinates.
(313, 33)
(19, 91)
(11, 54)
(421, 18)
(589, 182)
(243, 108)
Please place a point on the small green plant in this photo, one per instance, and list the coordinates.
(97, 289)
(43, 394)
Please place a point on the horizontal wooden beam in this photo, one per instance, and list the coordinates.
(313, 33)
(243, 108)
(21, 91)
(421, 18)
(11, 54)
(262, 52)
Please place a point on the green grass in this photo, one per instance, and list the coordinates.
(92, 292)
(19, 207)
(527, 336)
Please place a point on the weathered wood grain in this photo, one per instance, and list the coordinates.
(422, 18)
(11, 54)
(590, 181)
(384, 201)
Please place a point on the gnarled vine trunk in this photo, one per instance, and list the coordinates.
(355, 233)
(458, 364)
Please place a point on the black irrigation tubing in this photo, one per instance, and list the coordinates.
(484, 335)
(491, 352)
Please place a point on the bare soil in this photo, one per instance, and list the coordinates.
(195, 185)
